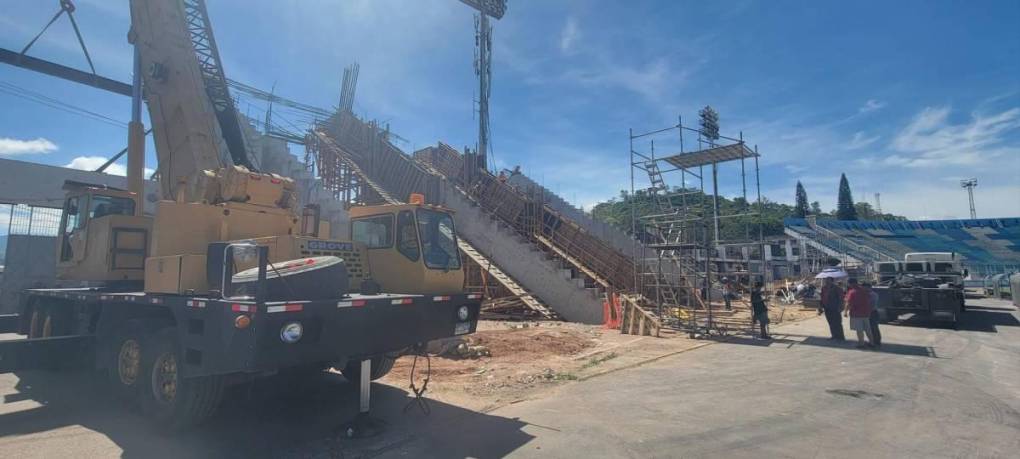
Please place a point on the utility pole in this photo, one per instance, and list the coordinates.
(969, 184)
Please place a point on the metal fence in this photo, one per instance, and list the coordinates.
(30, 220)
(23, 219)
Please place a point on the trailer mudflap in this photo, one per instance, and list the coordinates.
(60, 352)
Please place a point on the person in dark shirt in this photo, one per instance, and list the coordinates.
(760, 310)
(832, 305)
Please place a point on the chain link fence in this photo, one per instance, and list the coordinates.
(22, 219)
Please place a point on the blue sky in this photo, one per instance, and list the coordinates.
(905, 97)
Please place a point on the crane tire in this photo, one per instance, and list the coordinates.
(168, 398)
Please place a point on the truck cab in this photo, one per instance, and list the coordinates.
(412, 248)
(103, 237)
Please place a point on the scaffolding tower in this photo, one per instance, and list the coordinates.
(676, 253)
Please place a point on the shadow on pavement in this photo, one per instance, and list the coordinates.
(264, 419)
(975, 318)
(887, 348)
(791, 340)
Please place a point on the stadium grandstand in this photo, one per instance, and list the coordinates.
(988, 246)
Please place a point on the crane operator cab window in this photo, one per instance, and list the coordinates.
(407, 236)
(79, 210)
(101, 206)
(438, 240)
(375, 232)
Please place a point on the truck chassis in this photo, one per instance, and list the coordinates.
(175, 353)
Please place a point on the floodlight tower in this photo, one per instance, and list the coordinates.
(969, 184)
(483, 63)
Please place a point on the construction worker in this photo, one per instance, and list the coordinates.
(727, 293)
(832, 304)
(858, 308)
(760, 309)
(876, 335)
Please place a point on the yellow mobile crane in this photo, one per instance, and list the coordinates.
(161, 306)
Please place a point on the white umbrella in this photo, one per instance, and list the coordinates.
(834, 273)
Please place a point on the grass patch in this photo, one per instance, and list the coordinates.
(596, 361)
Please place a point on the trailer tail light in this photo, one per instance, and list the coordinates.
(242, 322)
(402, 301)
(291, 332)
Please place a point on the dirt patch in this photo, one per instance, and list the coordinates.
(519, 360)
(505, 362)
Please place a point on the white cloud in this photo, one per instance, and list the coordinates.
(91, 163)
(569, 36)
(871, 105)
(931, 140)
(652, 80)
(11, 147)
(860, 140)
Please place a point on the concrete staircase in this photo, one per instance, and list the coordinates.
(551, 279)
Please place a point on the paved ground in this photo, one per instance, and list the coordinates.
(929, 393)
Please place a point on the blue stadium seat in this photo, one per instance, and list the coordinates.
(979, 241)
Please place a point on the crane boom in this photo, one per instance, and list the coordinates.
(195, 125)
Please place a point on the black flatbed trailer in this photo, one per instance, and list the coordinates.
(334, 330)
(216, 342)
(943, 304)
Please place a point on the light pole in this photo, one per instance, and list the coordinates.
(483, 65)
(969, 184)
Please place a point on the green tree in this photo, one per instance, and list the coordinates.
(709, 123)
(845, 206)
(800, 209)
(816, 208)
(866, 212)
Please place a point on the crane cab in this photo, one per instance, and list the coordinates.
(412, 248)
(101, 238)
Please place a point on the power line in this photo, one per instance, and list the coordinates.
(32, 96)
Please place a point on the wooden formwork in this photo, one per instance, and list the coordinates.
(635, 320)
(443, 159)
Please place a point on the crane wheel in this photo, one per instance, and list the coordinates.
(46, 322)
(123, 360)
(167, 397)
(36, 322)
